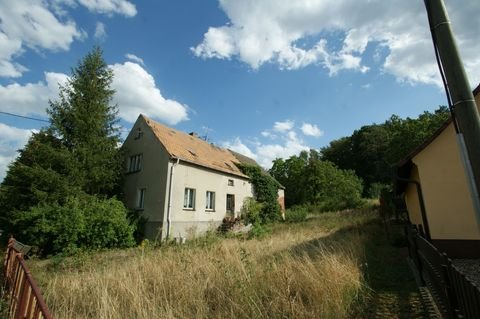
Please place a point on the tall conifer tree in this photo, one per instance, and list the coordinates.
(85, 119)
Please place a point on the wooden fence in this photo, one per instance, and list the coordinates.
(454, 294)
(25, 299)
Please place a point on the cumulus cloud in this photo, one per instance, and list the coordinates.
(11, 140)
(110, 7)
(30, 24)
(295, 34)
(134, 58)
(136, 92)
(100, 32)
(283, 126)
(287, 144)
(45, 25)
(311, 130)
(31, 98)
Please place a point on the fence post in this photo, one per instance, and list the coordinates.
(452, 303)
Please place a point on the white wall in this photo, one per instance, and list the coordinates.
(186, 222)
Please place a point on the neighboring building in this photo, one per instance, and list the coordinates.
(182, 184)
(448, 212)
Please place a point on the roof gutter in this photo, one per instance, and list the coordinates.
(170, 198)
(426, 226)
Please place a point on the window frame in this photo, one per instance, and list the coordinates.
(210, 201)
(141, 198)
(189, 198)
(231, 182)
(135, 163)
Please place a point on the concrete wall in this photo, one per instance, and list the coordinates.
(187, 222)
(446, 194)
(152, 176)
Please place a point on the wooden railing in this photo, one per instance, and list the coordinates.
(22, 293)
(454, 294)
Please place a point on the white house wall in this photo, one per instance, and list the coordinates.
(188, 222)
(152, 176)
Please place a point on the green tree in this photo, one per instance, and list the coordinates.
(309, 180)
(44, 172)
(85, 120)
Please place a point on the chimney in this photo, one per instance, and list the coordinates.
(194, 134)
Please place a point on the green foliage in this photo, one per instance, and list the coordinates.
(85, 120)
(85, 222)
(251, 210)
(375, 189)
(310, 180)
(266, 192)
(44, 172)
(45, 189)
(258, 231)
(372, 150)
(296, 214)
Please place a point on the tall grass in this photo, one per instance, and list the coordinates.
(298, 271)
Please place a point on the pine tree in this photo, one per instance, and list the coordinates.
(85, 120)
(44, 172)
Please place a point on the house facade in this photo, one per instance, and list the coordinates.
(438, 195)
(180, 183)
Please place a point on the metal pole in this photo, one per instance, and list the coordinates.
(464, 107)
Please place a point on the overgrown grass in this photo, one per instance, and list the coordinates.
(315, 269)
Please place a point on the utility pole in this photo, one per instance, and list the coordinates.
(463, 103)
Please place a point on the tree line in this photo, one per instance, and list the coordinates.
(360, 165)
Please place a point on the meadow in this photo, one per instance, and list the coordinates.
(334, 265)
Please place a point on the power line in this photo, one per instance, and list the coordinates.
(24, 117)
(122, 129)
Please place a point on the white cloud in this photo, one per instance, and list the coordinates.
(31, 98)
(30, 24)
(109, 7)
(272, 31)
(45, 25)
(283, 126)
(311, 130)
(136, 92)
(11, 140)
(100, 32)
(238, 146)
(134, 58)
(264, 153)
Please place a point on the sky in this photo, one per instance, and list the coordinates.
(266, 78)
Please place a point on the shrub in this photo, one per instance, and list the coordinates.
(251, 210)
(296, 214)
(266, 192)
(84, 222)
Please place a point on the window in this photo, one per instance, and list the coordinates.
(141, 198)
(135, 163)
(230, 203)
(210, 203)
(189, 198)
(230, 182)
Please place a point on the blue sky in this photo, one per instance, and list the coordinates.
(267, 78)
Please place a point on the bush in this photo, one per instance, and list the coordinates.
(266, 192)
(251, 210)
(85, 222)
(296, 214)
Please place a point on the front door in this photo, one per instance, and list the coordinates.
(230, 205)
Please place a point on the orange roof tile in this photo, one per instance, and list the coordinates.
(194, 150)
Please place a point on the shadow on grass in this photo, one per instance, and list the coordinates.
(393, 291)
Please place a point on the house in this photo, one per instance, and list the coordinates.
(437, 192)
(180, 183)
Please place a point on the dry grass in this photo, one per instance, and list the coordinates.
(309, 270)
